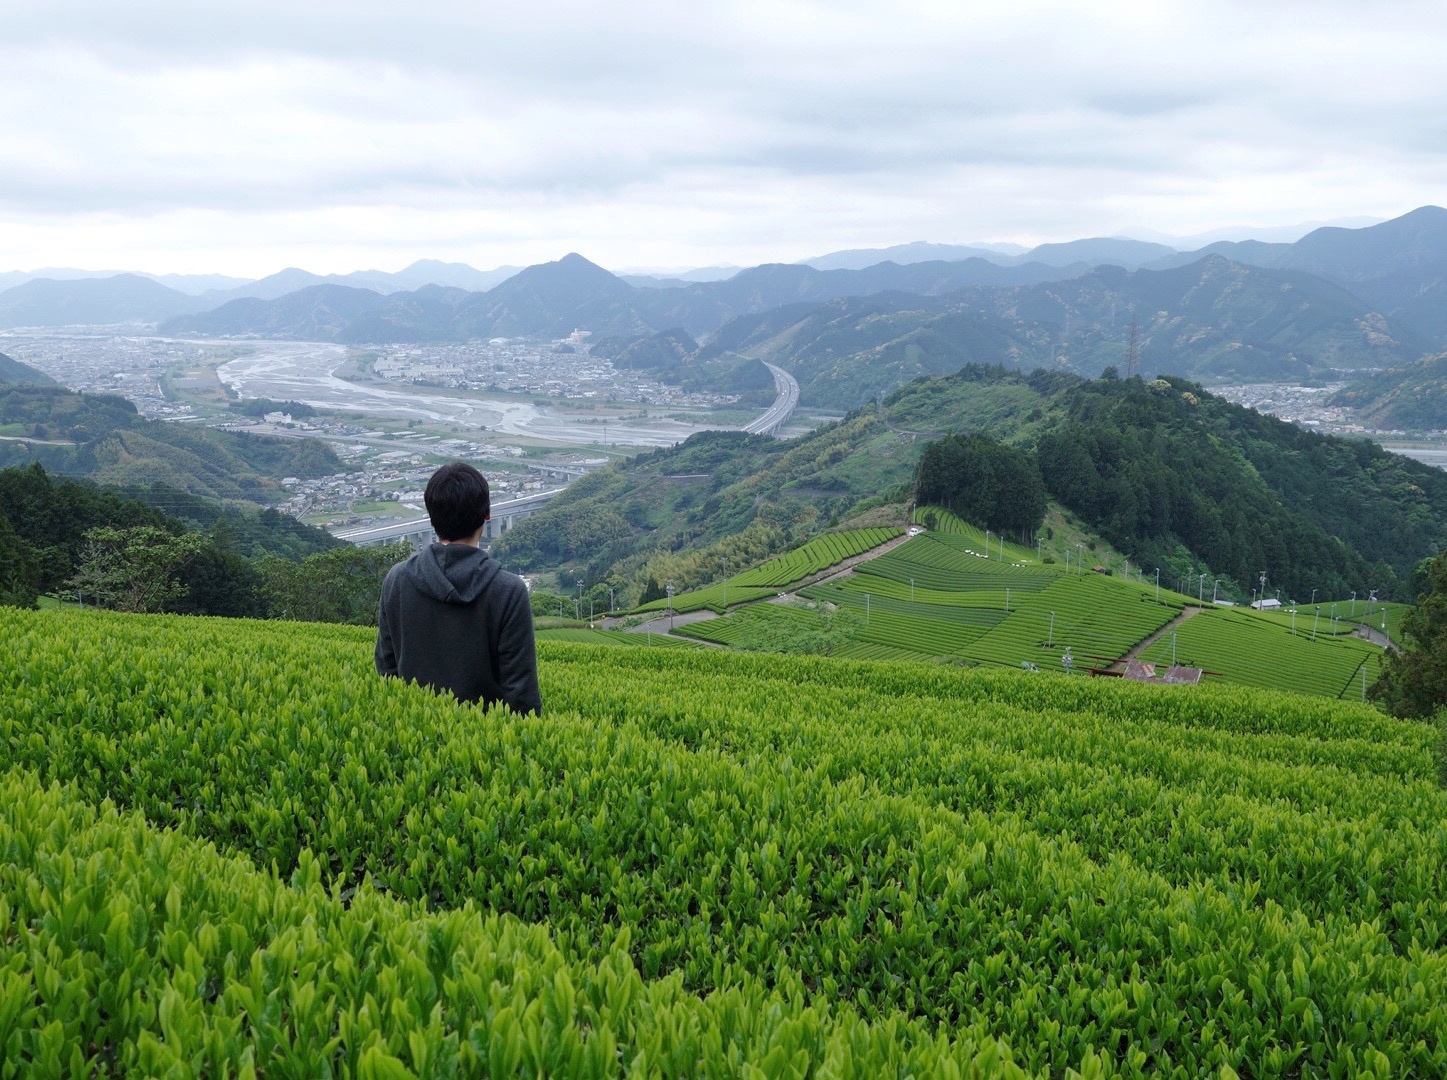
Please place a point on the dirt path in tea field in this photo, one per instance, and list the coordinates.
(1146, 643)
(841, 569)
(664, 623)
(1375, 636)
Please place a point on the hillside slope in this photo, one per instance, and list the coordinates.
(1210, 319)
(1398, 267)
(1409, 398)
(1168, 473)
(18, 374)
(102, 437)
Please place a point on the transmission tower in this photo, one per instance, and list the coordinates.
(1132, 352)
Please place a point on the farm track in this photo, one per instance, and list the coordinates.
(838, 570)
(842, 569)
(1145, 643)
(663, 625)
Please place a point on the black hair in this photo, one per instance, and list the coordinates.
(458, 501)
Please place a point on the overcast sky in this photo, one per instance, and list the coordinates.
(194, 136)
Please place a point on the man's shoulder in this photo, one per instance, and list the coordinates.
(395, 572)
(507, 581)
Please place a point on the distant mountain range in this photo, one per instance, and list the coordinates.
(212, 290)
(1335, 300)
(1210, 319)
(553, 299)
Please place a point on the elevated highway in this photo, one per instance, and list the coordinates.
(419, 530)
(787, 389)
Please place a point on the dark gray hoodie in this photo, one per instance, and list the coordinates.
(451, 618)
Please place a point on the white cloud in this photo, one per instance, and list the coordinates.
(166, 135)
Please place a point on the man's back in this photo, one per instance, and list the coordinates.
(451, 618)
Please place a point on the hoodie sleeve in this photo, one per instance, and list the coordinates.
(385, 655)
(517, 656)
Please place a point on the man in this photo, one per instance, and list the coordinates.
(451, 618)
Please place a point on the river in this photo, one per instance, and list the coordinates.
(306, 372)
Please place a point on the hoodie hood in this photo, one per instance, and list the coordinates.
(452, 573)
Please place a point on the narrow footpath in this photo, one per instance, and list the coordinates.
(661, 624)
(1146, 643)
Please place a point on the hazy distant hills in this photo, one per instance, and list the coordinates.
(703, 308)
(919, 251)
(1398, 267)
(75, 297)
(123, 298)
(315, 313)
(553, 299)
(418, 275)
(1095, 251)
(852, 334)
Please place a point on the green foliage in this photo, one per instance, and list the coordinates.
(169, 958)
(983, 481)
(297, 410)
(808, 629)
(254, 532)
(889, 862)
(50, 517)
(1414, 681)
(339, 586)
(713, 486)
(135, 569)
(19, 574)
(614, 638)
(549, 603)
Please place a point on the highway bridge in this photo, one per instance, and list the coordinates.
(419, 530)
(787, 388)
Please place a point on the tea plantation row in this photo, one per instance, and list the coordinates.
(810, 867)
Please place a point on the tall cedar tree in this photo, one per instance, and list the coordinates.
(1414, 682)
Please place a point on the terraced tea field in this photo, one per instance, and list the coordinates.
(938, 597)
(1256, 651)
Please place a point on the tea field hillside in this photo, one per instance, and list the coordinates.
(959, 595)
(230, 849)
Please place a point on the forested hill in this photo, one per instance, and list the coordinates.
(1162, 466)
(1410, 398)
(102, 437)
(1169, 474)
(13, 371)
